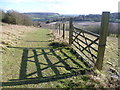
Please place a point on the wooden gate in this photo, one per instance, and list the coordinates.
(86, 42)
(89, 45)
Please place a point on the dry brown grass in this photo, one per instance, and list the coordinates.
(12, 34)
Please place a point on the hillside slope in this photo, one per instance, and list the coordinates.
(12, 34)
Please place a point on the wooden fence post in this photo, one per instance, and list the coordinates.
(63, 31)
(59, 28)
(102, 40)
(70, 31)
(55, 27)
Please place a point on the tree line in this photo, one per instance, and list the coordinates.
(97, 17)
(14, 17)
(114, 17)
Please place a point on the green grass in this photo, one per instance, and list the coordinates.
(35, 64)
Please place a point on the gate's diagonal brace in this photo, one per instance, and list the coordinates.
(76, 36)
(90, 44)
(88, 47)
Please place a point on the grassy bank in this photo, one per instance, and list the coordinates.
(37, 61)
(12, 34)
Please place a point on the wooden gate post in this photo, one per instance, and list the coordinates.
(70, 31)
(102, 40)
(63, 31)
(55, 28)
(59, 28)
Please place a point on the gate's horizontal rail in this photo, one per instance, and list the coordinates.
(86, 38)
(84, 53)
(85, 49)
(88, 32)
(85, 44)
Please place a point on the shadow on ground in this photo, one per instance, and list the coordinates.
(46, 53)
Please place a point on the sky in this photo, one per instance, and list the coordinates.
(61, 6)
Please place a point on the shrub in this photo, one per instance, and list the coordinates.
(2, 14)
(14, 17)
(8, 18)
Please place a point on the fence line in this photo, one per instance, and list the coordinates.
(88, 44)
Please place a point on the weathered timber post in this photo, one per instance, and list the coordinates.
(63, 31)
(102, 40)
(70, 31)
(56, 28)
(59, 28)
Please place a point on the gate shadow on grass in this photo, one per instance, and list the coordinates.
(41, 78)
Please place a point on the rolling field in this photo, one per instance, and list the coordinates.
(34, 62)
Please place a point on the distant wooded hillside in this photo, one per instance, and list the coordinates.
(38, 15)
(114, 17)
(24, 18)
(42, 16)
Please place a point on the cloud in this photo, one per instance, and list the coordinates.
(62, 6)
(13, 1)
(23, 1)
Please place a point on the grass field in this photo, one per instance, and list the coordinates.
(12, 34)
(38, 61)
